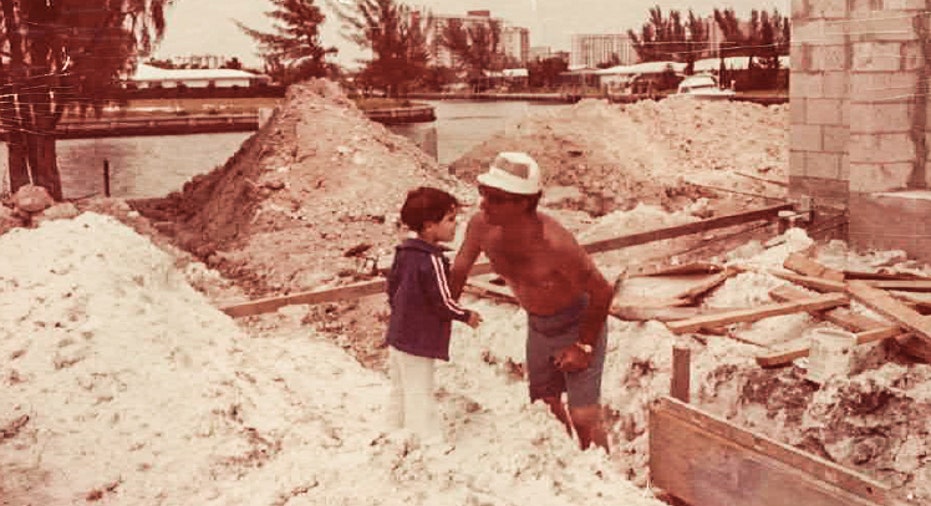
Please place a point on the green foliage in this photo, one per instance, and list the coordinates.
(475, 47)
(396, 37)
(293, 52)
(58, 53)
(766, 37)
(670, 38)
(545, 73)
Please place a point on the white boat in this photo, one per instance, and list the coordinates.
(703, 86)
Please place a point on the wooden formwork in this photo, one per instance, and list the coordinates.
(706, 461)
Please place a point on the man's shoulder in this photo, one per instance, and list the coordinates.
(556, 233)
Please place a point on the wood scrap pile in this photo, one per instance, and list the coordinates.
(889, 295)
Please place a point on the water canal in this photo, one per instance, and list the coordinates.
(156, 165)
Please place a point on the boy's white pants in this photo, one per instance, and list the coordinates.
(411, 404)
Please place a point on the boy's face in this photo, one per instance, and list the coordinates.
(444, 230)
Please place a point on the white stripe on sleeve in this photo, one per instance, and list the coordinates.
(444, 287)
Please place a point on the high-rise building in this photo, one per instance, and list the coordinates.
(515, 44)
(591, 50)
(514, 41)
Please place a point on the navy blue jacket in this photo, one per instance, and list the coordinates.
(422, 307)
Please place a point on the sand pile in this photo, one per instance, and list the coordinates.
(876, 422)
(118, 376)
(310, 198)
(123, 385)
(650, 152)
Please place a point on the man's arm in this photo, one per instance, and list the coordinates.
(600, 295)
(466, 256)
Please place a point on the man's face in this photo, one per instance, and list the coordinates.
(498, 205)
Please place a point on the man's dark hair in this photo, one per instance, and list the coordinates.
(426, 204)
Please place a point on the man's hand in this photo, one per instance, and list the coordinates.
(572, 358)
(474, 320)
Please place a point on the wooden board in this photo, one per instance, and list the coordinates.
(686, 269)
(805, 266)
(848, 274)
(842, 317)
(801, 347)
(868, 330)
(485, 289)
(270, 304)
(817, 303)
(902, 285)
(886, 305)
(705, 286)
(766, 213)
(707, 461)
(819, 284)
(663, 314)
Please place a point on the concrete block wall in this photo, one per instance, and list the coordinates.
(819, 98)
(859, 115)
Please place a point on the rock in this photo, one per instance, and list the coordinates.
(63, 211)
(8, 219)
(32, 199)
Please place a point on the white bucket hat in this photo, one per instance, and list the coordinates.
(513, 172)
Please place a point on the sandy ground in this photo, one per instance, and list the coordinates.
(125, 385)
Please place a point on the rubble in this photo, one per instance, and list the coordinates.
(311, 201)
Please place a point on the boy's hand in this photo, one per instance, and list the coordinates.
(475, 319)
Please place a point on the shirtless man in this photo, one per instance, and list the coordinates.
(555, 281)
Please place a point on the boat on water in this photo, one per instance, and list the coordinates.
(704, 87)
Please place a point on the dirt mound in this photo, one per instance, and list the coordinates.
(312, 197)
(664, 153)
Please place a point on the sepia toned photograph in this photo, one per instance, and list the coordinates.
(470, 253)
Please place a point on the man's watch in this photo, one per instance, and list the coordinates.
(587, 348)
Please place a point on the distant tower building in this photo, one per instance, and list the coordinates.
(540, 53)
(515, 43)
(439, 54)
(590, 50)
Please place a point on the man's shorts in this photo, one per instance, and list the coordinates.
(546, 336)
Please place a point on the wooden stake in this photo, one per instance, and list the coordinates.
(680, 386)
(106, 178)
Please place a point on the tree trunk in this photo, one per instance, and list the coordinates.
(16, 160)
(43, 162)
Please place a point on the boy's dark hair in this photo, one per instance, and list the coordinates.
(425, 204)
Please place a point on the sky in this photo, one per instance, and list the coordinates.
(551, 22)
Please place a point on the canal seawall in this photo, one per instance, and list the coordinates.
(187, 124)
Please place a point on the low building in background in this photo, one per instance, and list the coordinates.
(147, 76)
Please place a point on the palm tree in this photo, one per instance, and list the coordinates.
(60, 53)
(396, 37)
(294, 47)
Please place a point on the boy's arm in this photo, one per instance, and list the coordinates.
(466, 256)
(436, 287)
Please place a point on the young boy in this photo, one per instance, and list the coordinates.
(422, 310)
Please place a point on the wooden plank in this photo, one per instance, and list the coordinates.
(868, 330)
(817, 303)
(766, 213)
(819, 284)
(705, 286)
(848, 274)
(649, 302)
(886, 305)
(686, 269)
(805, 266)
(797, 348)
(708, 461)
(485, 289)
(842, 317)
(681, 381)
(270, 304)
(662, 314)
(902, 285)
(377, 286)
